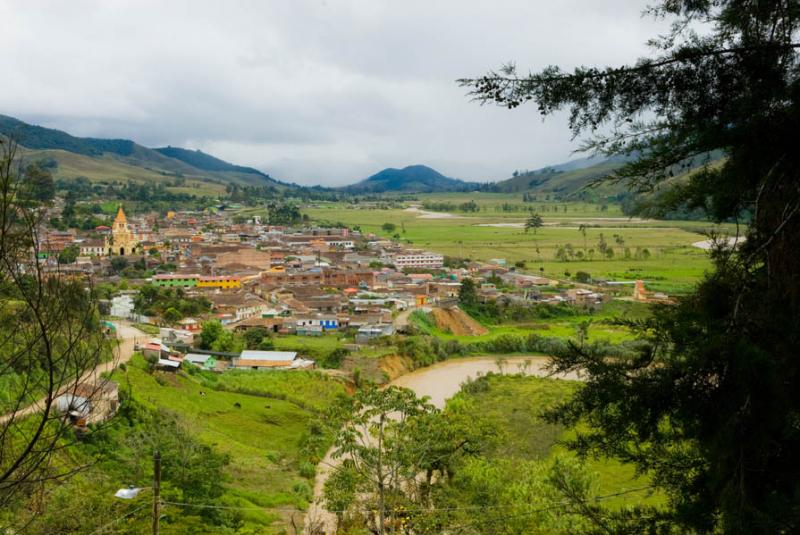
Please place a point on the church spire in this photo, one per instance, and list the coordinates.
(121, 219)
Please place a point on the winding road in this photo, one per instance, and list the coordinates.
(439, 382)
(127, 337)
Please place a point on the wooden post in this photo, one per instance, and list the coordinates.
(156, 490)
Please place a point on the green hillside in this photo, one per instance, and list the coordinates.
(411, 179)
(108, 168)
(555, 180)
(124, 160)
(200, 160)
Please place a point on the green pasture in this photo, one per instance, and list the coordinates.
(243, 415)
(659, 252)
(514, 405)
(601, 325)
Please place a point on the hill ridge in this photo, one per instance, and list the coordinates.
(165, 160)
(416, 178)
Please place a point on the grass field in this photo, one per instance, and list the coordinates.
(514, 404)
(670, 262)
(256, 418)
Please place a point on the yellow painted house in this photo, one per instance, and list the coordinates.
(221, 281)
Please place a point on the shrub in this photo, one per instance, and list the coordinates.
(583, 276)
(308, 470)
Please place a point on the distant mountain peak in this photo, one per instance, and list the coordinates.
(417, 178)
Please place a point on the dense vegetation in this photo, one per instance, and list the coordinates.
(171, 304)
(37, 137)
(238, 455)
(487, 463)
(708, 406)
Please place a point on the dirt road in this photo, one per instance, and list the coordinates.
(127, 336)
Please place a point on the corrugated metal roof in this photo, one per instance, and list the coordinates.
(283, 356)
(263, 363)
(196, 357)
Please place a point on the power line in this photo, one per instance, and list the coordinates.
(123, 517)
(427, 510)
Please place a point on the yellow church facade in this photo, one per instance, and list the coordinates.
(123, 240)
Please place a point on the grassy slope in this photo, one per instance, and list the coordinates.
(261, 435)
(111, 168)
(515, 403)
(566, 181)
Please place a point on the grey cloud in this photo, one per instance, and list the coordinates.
(309, 91)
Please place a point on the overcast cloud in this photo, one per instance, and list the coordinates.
(315, 92)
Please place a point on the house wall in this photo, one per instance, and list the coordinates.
(184, 282)
(228, 282)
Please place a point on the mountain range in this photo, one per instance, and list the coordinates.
(123, 159)
(126, 160)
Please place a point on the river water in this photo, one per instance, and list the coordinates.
(442, 381)
(439, 382)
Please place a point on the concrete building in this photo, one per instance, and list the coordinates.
(415, 259)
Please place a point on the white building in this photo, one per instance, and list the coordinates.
(416, 259)
(122, 306)
(264, 360)
(93, 248)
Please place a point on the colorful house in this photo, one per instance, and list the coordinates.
(169, 281)
(207, 362)
(221, 281)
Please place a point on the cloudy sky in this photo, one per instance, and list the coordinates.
(310, 91)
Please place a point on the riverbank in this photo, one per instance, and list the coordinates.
(439, 382)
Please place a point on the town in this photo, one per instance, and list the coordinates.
(411, 268)
(301, 281)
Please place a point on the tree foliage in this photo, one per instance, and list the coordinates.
(534, 222)
(49, 338)
(710, 406)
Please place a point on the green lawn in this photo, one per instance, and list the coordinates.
(600, 329)
(311, 346)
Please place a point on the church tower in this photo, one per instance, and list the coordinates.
(123, 240)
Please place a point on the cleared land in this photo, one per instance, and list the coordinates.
(457, 322)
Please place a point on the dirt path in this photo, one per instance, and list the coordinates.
(127, 336)
(439, 382)
(426, 214)
(401, 320)
(457, 322)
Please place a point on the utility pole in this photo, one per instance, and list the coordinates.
(156, 490)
